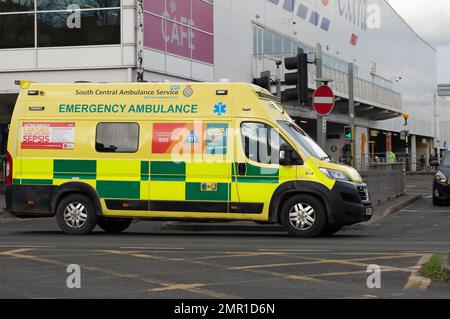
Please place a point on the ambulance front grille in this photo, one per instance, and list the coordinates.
(363, 193)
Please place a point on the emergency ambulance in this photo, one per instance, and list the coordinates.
(104, 154)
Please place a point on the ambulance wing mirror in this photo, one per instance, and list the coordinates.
(288, 156)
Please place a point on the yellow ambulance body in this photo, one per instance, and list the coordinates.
(105, 154)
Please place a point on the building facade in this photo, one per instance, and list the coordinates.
(200, 40)
(443, 102)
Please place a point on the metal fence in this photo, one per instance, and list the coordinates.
(385, 181)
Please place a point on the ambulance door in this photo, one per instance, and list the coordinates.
(189, 173)
(257, 172)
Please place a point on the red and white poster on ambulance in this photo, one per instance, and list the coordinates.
(48, 135)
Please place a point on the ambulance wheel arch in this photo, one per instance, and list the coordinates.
(287, 190)
(71, 188)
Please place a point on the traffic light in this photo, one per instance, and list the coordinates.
(347, 150)
(299, 78)
(264, 81)
(348, 133)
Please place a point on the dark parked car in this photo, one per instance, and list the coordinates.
(441, 183)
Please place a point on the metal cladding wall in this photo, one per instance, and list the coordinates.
(393, 49)
(443, 101)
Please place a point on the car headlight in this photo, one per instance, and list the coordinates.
(336, 175)
(441, 178)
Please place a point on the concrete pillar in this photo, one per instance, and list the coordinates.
(414, 157)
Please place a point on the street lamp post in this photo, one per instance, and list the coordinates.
(351, 111)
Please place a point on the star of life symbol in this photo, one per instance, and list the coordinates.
(220, 109)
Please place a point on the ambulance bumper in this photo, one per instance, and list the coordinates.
(350, 203)
(29, 200)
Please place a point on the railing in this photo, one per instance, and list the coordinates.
(364, 90)
(385, 181)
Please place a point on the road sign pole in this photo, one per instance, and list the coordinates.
(351, 111)
(321, 122)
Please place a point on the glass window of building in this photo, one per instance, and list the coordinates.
(45, 5)
(255, 41)
(16, 31)
(16, 24)
(260, 41)
(268, 42)
(96, 27)
(278, 44)
(59, 23)
(287, 46)
(16, 5)
(289, 5)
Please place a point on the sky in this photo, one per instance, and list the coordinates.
(431, 20)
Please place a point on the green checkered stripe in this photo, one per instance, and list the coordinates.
(155, 171)
(256, 175)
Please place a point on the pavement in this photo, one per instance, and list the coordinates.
(152, 260)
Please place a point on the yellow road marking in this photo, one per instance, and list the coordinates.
(132, 253)
(316, 261)
(17, 253)
(14, 252)
(286, 276)
(346, 273)
(415, 281)
(198, 290)
(237, 255)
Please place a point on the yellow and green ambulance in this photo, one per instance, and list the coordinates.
(104, 154)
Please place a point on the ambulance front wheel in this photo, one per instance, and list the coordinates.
(76, 215)
(304, 216)
(114, 226)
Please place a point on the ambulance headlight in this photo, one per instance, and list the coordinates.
(336, 175)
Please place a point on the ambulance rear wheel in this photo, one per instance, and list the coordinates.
(114, 226)
(304, 216)
(76, 215)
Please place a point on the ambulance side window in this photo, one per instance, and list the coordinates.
(261, 142)
(117, 138)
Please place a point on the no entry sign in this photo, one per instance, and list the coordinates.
(323, 100)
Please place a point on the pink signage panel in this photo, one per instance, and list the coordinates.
(179, 11)
(155, 6)
(169, 28)
(154, 32)
(178, 39)
(202, 15)
(203, 45)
